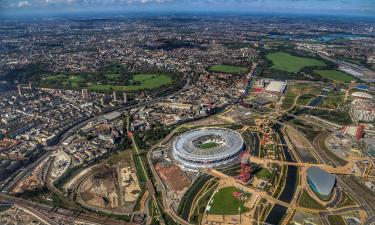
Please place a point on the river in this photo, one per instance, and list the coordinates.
(277, 213)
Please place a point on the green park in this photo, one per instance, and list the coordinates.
(144, 81)
(221, 68)
(224, 202)
(108, 82)
(289, 63)
(335, 75)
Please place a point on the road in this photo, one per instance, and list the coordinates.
(159, 183)
(25, 172)
(38, 215)
(48, 211)
(345, 170)
(370, 221)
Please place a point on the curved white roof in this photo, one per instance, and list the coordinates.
(185, 150)
(362, 95)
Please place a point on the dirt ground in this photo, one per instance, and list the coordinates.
(173, 175)
(113, 186)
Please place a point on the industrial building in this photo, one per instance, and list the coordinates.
(276, 87)
(207, 147)
(354, 131)
(321, 182)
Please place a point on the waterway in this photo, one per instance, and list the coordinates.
(256, 149)
(277, 213)
(322, 37)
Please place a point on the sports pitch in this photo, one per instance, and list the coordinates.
(286, 62)
(228, 69)
(208, 145)
(335, 75)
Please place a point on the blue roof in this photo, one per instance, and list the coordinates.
(362, 87)
(322, 181)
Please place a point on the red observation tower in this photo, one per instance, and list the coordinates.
(245, 167)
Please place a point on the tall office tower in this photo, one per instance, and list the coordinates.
(19, 90)
(102, 101)
(85, 93)
(114, 96)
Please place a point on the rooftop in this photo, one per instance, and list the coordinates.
(323, 181)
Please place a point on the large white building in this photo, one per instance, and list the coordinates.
(276, 87)
(207, 147)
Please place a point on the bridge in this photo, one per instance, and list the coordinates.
(261, 194)
(343, 170)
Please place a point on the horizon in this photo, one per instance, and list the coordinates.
(31, 8)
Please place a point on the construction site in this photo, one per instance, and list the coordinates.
(114, 186)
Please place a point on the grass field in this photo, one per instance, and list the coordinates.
(228, 69)
(95, 82)
(336, 219)
(289, 63)
(305, 99)
(333, 100)
(224, 203)
(307, 92)
(308, 202)
(208, 145)
(335, 75)
(147, 81)
(346, 201)
(263, 174)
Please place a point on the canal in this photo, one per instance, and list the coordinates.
(278, 211)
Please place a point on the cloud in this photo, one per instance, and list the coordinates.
(23, 4)
(240, 5)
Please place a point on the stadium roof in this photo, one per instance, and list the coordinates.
(323, 181)
(362, 95)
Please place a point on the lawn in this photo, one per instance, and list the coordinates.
(335, 75)
(305, 99)
(263, 174)
(289, 63)
(308, 202)
(147, 81)
(208, 145)
(224, 203)
(333, 100)
(341, 117)
(307, 92)
(228, 69)
(346, 201)
(336, 219)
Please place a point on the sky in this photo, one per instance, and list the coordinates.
(334, 7)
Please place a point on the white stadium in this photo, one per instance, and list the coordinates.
(207, 147)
